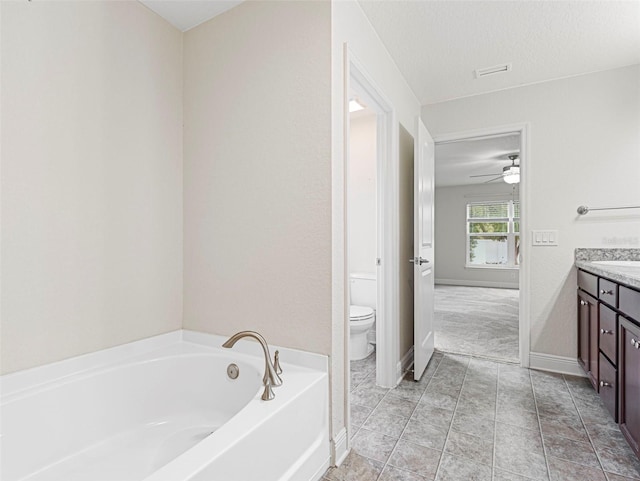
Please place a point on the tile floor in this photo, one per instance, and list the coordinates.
(493, 334)
(471, 419)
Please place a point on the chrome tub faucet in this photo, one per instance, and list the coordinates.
(271, 377)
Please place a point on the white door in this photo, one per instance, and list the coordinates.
(423, 249)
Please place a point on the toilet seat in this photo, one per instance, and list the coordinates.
(361, 320)
(360, 313)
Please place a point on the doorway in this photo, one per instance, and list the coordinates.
(362, 241)
(393, 140)
(362, 220)
(362, 89)
(480, 292)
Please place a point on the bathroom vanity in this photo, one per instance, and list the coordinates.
(609, 332)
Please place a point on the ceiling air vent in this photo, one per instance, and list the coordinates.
(496, 69)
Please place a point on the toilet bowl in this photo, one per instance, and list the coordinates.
(361, 320)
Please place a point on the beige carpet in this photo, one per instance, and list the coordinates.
(478, 321)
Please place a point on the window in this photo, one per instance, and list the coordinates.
(493, 234)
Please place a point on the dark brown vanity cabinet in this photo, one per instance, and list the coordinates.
(608, 358)
(630, 383)
(588, 325)
(587, 335)
(629, 370)
(609, 348)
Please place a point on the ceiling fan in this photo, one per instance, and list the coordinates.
(510, 174)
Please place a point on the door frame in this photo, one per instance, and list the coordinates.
(524, 271)
(387, 175)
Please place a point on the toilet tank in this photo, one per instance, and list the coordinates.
(363, 290)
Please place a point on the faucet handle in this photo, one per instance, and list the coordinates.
(276, 363)
(268, 394)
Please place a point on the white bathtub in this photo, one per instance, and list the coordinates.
(164, 409)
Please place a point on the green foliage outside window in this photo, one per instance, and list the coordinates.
(485, 227)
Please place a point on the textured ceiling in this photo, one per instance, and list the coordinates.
(437, 45)
(455, 162)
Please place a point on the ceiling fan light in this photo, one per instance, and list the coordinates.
(511, 174)
(512, 179)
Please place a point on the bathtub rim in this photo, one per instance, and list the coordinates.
(18, 383)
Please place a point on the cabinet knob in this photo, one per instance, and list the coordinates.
(606, 331)
(605, 384)
(582, 303)
(609, 292)
(635, 343)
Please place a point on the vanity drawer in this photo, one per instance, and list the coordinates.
(608, 292)
(608, 333)
(630, 302)
(608, 386)
(588, 283)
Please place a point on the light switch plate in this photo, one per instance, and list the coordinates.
(544, 237)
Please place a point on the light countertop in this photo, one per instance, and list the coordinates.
(624, 274)
(587, 260)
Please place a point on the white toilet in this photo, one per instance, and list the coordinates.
(362, 315)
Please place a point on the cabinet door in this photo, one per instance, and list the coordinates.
(629, 382)
(583, 331)
(588, 354)
(608, 385)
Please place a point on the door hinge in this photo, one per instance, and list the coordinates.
(378, 261)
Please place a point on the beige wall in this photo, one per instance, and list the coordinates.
(92, 175)
(406, 218)
(451, 241)
(257, 173)
(91, 178)
(584, 149)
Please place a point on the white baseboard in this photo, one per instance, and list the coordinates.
(458, 282)
(559, 364)
(404, 364)
(339, 449)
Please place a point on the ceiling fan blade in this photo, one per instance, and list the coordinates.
(483, 175)
(491, 180)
